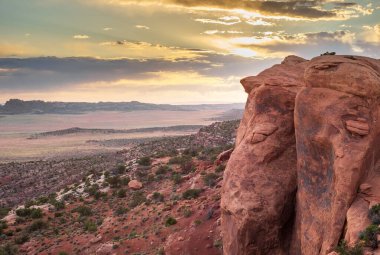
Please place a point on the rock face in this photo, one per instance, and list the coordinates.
(280, 196)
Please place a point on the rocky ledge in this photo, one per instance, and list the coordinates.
(305, 169)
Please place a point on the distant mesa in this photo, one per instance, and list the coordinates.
(17, 106)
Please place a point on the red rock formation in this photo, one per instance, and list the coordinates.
(260, 178)
(336, 120)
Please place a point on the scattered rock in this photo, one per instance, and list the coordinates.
(135, 184)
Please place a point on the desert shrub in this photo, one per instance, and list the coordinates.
(369, 236)
(220, 168)
(191, 193)
(179, 160)
(191, 152)
(37, 225)
(113, 181)
(374, 214)
(187, 167)
(83, 210)
(22, 239)
(125, 180)
(33, 213)
(170, 221)
(90, 226)
(187, 212)
(328, 53)
(99, 195)
(210, 179)
(58, 205)
(8, 249)
(163, 169)
(42, 200)
(158, 197)
(63, 253)
(144, 161)
(4, 212)
(137, 198)
(344, 249)
(120, 211)
(3, 225)
(120, 169)
(177, 178)
(121, 193)
(92, 189)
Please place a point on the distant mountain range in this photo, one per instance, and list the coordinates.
(17, 106)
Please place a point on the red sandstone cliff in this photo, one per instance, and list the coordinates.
(305, 168)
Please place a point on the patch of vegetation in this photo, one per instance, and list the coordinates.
(170, 221)
(344, 249)
(144, 161)
(137, 198)
(90, 226)
(58, 205)
(121, 193)
(22, 239)
(210, 179)
(191, 193)
(187, 212)
(328, 53)
(374, 214)
(120, 169)
(163, 169)
(3, 225)
(34, 213)
(220, 168)
(121, 211)
(37, 225)
(4, 211)
(191, 152)
(8, 249)
(83, 210)
(158, 197)
(177, 178)
(369, 236)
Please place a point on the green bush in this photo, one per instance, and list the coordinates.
(121, 193)
(177, 178)
(210, 179)
(369, 236)
(137, 198)
(191, 193)
(34, 213)
(374, 214)
(187, 212)
(163, 169)
(170, 221)
(83, 210)
(4, 211)
(344, 249)
(120, 169)
(58, 205)
(90, 226)
(220, 168)
(158, 197)
(22, 239)
(144, 161)
(37, 225)
(120, 211)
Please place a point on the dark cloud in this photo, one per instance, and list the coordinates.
(52, 73)
(312, 9)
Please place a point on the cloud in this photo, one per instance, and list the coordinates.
(81, 37)
(228, 21)
(142, 27)
(107, 28)
(297, 9)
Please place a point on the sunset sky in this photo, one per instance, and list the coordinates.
(168, 51)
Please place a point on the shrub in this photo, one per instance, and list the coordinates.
(63, 253)
(178, 160)
(220, 168)
(3, 225)
(158, 197)
(187, 212)
(176, 177)
(8, 250)
(22, 239)
(374, 214)
(37, 225)
(137, 198)
(120, 169)
(187, 167)
(58, 205)
(90, 226)
(163, 169)
(170, 221)
(113, 181)
(144, 161)
(369, 236)
(83, 210)
(191, 193)
(4, 211)
(121, 193)
(34, 213)
(344, 249)
(210, 179)
(120, 211)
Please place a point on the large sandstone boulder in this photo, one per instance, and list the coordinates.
(260, 178)
(135, 185)
(330, 106)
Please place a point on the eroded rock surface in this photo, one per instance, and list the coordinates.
(334, 101)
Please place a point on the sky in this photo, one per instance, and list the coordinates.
(168, 51)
